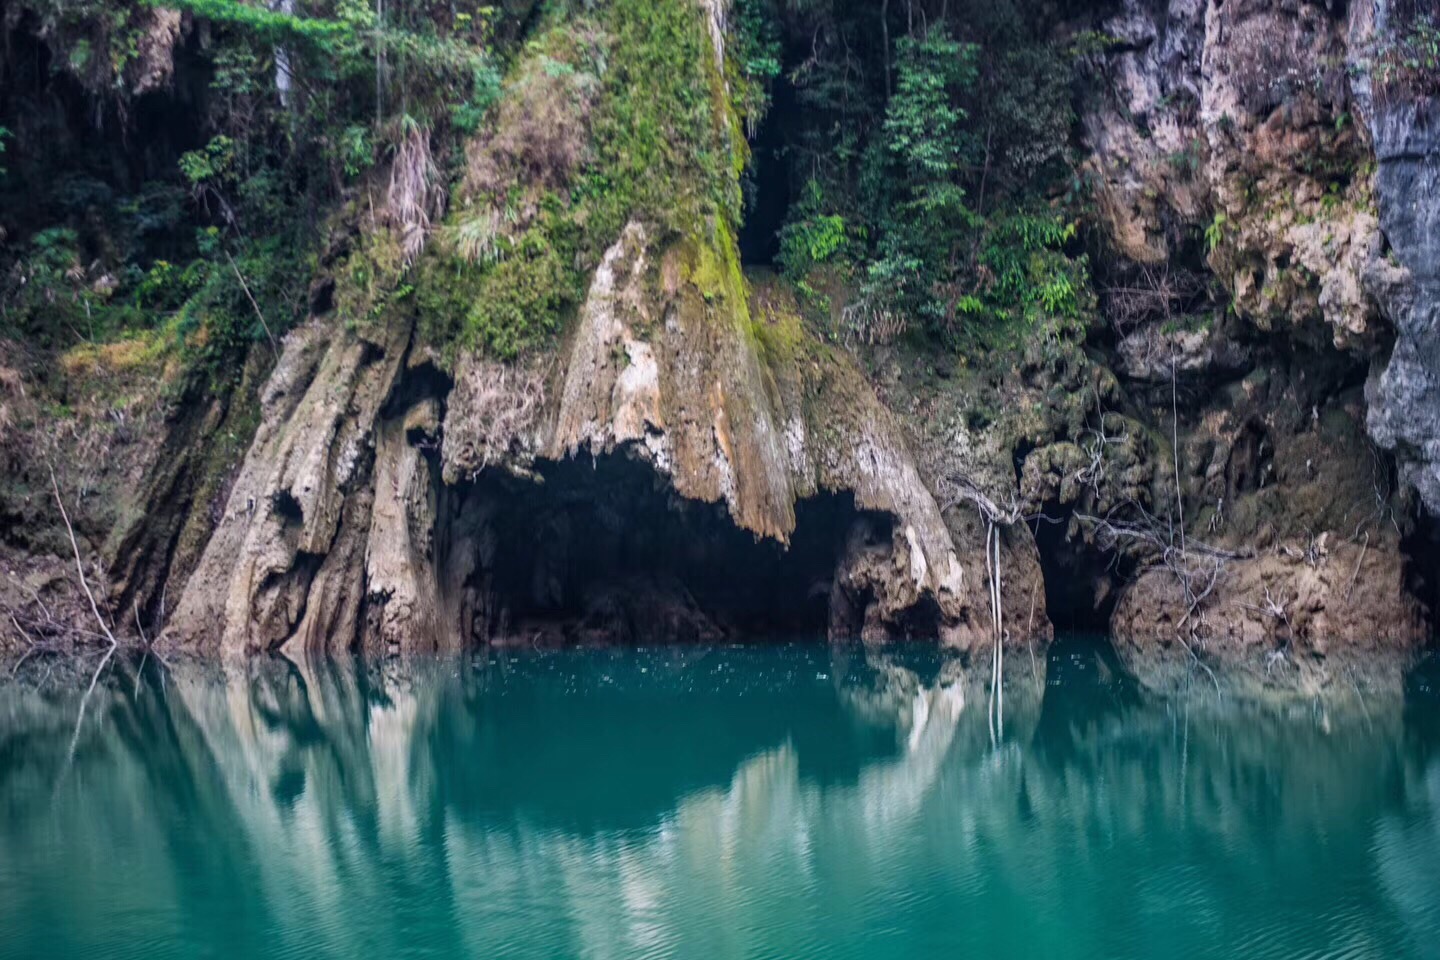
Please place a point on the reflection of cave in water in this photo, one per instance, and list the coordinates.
(800, 800)
(1086, 689)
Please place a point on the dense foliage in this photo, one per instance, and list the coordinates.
(211, 238)
(934, 168)
(470, 163)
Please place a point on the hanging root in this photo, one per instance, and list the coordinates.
(416, 195)
(997, 626)
(79, 563)
(962, 490)
(999, 637)
(496, 404)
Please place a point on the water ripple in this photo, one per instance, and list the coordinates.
(786, 802)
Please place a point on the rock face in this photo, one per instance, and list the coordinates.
(689, 458)
(1143, 132)
(1243, 139)
(1236, 127)
(1330, 618)
(1293, 228)
(365, 514)
(1404, 395)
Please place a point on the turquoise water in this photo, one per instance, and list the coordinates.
(791, 801)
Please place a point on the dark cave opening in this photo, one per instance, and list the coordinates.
(105, 166)
(1081, 583)
(767, 182)
(1420, 545)
(602, 551)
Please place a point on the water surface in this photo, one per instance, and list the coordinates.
(782, 801)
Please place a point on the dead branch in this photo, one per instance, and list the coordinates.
(1197, 568)
(1148, 531)
(1150, 294)
(1094, 473)
(961, 489)
(1273, 657)
(80, 564)
(255, 306)
(23, 634)
(1276, 609)
(80, 717)
(1195, 658)
(1358, 561)
(140, 627)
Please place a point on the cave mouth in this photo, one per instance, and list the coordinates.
(1081, 583)
(602, 551)
(767, 182)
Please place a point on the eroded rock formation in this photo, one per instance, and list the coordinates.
(1218, 468)
(1403, 393)
(1242, 139)
(371, 503)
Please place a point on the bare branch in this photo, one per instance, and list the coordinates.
(79, 563)
(251, 297)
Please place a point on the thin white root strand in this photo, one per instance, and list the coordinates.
(80, 564)
(997, 623)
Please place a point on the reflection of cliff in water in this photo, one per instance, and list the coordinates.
(654, 802)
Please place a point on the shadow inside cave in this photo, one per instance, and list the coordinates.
(601, 550)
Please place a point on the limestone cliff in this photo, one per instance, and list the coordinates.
(662, 455)
(530, 394)
(1402, 391)
(1245, 141)
(365, 512)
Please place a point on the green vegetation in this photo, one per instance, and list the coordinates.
(1215, 232)
(933, 170)
(536, 212)
(810, 237)
(470, 166)
(216, 248)
(753, 55)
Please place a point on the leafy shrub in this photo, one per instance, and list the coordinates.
(951, 208)
(923, 121)
(811, 236)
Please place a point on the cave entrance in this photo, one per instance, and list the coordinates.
(768, 181)
(105, 166)
(1081, 582)
(602, 551)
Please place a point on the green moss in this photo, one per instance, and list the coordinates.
(712, 265)
(519, 301)
(510, 305)
(661, 151)
(663, 145)
(367, 280)
(779, 331)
